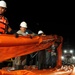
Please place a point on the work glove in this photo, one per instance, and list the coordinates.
(16, 35)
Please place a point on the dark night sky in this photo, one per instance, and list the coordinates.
(39, 16)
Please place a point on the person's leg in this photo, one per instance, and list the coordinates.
(48, 60)
(28, 59)
(17, 63)
(39, 60)
(44, 59)
(23, 61)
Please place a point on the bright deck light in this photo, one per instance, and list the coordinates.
(62, 57)
(71, 51)
(65, 51)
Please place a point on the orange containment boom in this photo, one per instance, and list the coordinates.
(11, 40)
(10, 46)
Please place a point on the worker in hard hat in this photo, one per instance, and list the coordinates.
(40, 32)
(23, 27)
(44, 57)
(24, 31)
(41, 54)
(4, 27)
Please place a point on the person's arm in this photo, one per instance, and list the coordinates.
(17, 34)
(30, 32)
(9, 29)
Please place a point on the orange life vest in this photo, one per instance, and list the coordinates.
(3, 25)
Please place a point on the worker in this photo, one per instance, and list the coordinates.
(24, 30)
(4, 25)
(41, 54)
(20, 61)
(40, 32)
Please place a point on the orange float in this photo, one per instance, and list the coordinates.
(10, 46)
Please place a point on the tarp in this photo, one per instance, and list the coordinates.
(10, 46)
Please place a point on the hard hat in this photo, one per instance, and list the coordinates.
(40, 32)
(3, 4)
(23, 24)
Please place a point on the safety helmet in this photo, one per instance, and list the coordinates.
(3, 4)
(23, 24)
(40, 32)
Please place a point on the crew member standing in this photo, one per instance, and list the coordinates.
(4, 27)
(41, 54)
